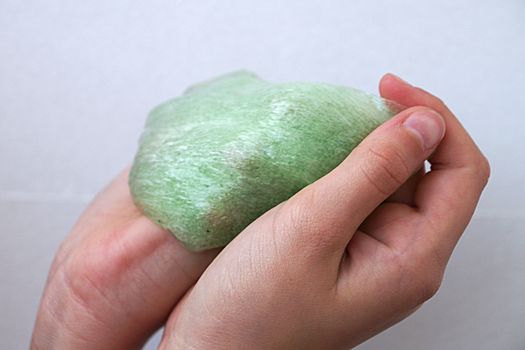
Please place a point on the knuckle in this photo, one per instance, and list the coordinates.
(426, 276)
(418, 279)
(96, 270)
(385, 169)
(84, 279)
(427, 287)
(478, 171)
(484, 169)
(94, 265)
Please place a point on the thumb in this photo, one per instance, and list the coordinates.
(341, 200)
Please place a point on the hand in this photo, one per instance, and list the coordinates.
(351, 254)
(115, 279)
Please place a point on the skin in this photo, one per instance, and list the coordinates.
(342, 260)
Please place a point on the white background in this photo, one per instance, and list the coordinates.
(77, 79)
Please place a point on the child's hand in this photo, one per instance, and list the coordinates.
(351, 254)
(115, 279)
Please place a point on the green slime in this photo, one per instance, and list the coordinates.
(213, 160)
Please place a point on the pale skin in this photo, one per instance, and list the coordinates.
(345, 258)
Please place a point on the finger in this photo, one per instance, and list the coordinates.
(405, 194)
(118, 279)
(110, 207)
(448, 194)
(456, 138)
(374, 170)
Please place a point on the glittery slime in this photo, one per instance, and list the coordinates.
(214, 159)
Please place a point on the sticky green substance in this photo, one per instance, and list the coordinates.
(213, 160)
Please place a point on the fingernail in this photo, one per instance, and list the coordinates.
(427, 125)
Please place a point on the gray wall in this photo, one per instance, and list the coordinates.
(78, 78)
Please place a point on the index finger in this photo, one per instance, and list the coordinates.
(448, 194)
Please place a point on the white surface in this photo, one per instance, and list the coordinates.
(78, 78)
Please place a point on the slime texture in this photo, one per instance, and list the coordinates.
(214, 159)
